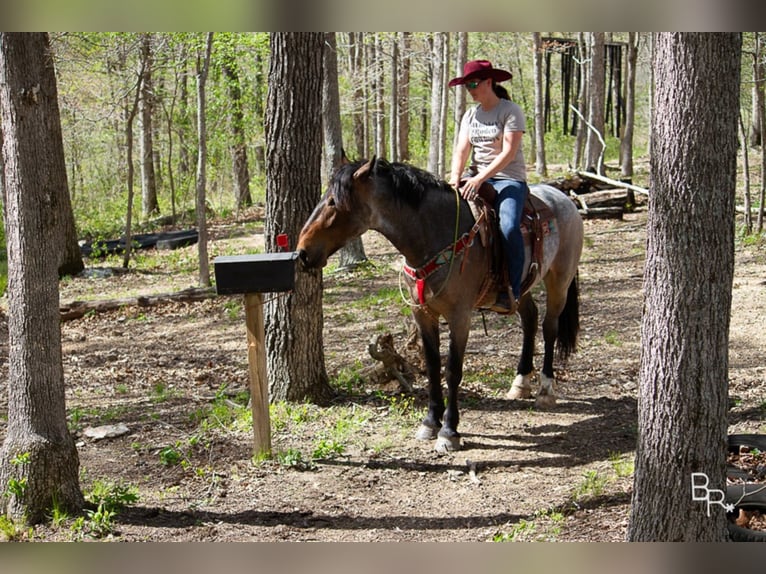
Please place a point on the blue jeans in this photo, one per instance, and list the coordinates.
(509, 204)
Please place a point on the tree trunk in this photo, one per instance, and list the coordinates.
(461, 56)
(357, 74)
(404, 96)
(757, 93)
(682, 404)
(626, 145)
(352, 254)
(238, 145)
(594, 148)
(582, 102)
(435, 163)
(38, 460)
(148, 181)
(759, 115)
(380, 104)
(294, 322)
(537, 53)
(203, 65)
(393, 124)
(129, 152)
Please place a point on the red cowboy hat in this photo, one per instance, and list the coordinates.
(480, 69)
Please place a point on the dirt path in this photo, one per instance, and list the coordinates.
(174, 375)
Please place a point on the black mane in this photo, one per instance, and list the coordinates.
(406, 183)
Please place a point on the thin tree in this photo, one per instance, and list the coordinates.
(757, 91)
(294, 322)
(461, 56)
(759, 118)
(238, 143)
(129, 151)
(435, 155)
(148, 180)
(403, 85)
(626, 144)
(352, 254)
(683, 375)
(537, 55)
(393, 124)
(39, 465)
(203, 65)
(379, 93)
(594, 143)
(359, 110)
(582, 101)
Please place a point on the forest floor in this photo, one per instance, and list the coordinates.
(175, 375)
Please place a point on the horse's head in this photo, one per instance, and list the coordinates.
(340, 216)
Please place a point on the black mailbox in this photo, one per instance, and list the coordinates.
(260, 273)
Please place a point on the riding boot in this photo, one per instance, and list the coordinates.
(505, 304)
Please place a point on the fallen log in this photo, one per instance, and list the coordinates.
(78, 309)
(602, 213)
(604, 198)
(614, 182)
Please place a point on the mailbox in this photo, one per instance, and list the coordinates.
(260, 273)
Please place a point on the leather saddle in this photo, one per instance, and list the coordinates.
(536, 223)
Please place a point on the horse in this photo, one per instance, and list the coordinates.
(427, 221)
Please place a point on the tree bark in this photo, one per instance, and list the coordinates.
(594, 149)
(238, 145)
(148, 180)
(404, 96)
(582, 102)
(435, 159)
(352, 254)
(461, 56)
(626, 144)
(682, 404)
(540, 166)
(357, 74)
(294, 322)
(203, 65)
(38, 460)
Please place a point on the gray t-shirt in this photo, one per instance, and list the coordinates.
(485, 132)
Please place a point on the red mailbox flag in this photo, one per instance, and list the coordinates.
(283, 242)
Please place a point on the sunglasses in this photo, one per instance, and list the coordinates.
(472, 85)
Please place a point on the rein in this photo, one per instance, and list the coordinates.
(446, 255)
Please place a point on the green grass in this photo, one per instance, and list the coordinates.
(544, 526)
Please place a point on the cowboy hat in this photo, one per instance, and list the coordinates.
(480, 69)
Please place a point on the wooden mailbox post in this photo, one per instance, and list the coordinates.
(253, 275)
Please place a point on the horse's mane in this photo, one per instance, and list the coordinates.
(405, 182)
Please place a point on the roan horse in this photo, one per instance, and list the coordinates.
(424, 217)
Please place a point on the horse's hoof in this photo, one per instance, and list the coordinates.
(426, 433)
(447, 444)
(545, 402)
(519, 393)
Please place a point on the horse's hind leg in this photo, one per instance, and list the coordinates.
(429, 333)
(521, 387)
(546, 397)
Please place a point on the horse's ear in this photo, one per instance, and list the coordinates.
(366, 170)
(343, 157)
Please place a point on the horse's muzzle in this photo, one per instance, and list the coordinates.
(306, 261)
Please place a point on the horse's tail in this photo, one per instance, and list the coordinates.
(569, 321)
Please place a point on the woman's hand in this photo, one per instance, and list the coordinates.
(470, 189)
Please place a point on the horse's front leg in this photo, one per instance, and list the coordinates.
(428, 325)
(449, 438)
